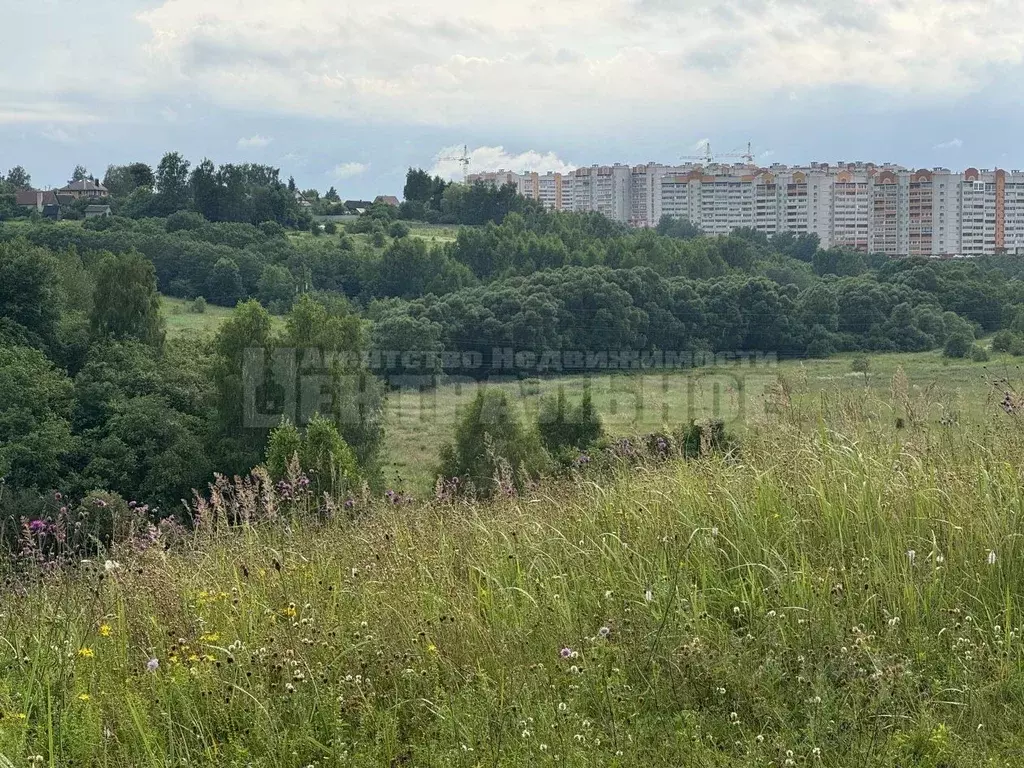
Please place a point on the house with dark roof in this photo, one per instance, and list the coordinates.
(84, 188)
(388, 200)
(35, 198)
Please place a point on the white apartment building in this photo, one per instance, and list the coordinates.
(866, 207)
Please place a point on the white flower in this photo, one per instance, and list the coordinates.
(111, 565)
(992, 558)
(648, 596)
(911, 554)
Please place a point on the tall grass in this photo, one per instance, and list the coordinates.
(839, 593)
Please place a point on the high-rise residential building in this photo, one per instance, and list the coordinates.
(862, 206)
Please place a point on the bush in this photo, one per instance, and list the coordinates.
(271, 228)
(321, 454)
(197, 306)
(958, 345)
(398, 229)
(979, 354)
(331, 228)
(565, 429)
(1003, 341)
(492, 450)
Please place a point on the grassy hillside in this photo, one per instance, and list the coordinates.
(840, 593)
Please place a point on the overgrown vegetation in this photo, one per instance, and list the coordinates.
(837, 593)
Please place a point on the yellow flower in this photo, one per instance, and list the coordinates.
(83, 697)
(21, 716)
(208, 657)
(105, 630)
(193, 657)
(211, 637)
(86, 653)
(431, 648)
(290, 611)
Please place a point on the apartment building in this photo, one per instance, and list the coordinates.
(863, 206)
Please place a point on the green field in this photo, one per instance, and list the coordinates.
(843, 596)
(938, 389)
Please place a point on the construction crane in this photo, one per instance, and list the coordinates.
(463, 160)
(708, 158)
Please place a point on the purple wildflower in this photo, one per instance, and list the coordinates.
(37, 526)
(153, 665)
(565, 653)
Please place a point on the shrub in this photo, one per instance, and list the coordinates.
(979, 354)
(492, 450)
(958, 345)
(321, 453)
(398, 229)
(1003, 341)
(197, 306)
(271, 228)
(861, 364)
(563, 427)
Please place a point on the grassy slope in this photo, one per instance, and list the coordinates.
(759, 610)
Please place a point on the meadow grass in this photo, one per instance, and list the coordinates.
(839, 592)
(631, 403)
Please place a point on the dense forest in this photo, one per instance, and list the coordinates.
(97, 399)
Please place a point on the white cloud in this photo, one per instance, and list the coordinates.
(58, 134)
(348, 170)
(577, 63)
(951, 144)
(496, 159)
(256, 141)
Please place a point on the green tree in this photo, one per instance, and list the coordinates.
(80, 173)
(126, 304)
(320, 452)
(19, 178)
(563, 427)
(276, 288)
(224, 285)
(35, 429)
(30, 305)
(244, 387)
(861, 364)
(172, 176)
(492, 451)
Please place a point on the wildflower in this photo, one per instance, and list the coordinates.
(543, 747)
(105, 630)
(911, 555)
(574, 670)
(86, 653)
(290, 611)
(603, 632)
(816, 753)
(431, 648)
(991, 557)
(210, 637)
(111, 565)
(565, 653)
(289, 687)
(83, 697)
(152, 665)
(648, 596)
(562, 706)
(940, 559)
(37, 526)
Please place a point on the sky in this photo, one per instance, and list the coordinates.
(350, 95)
